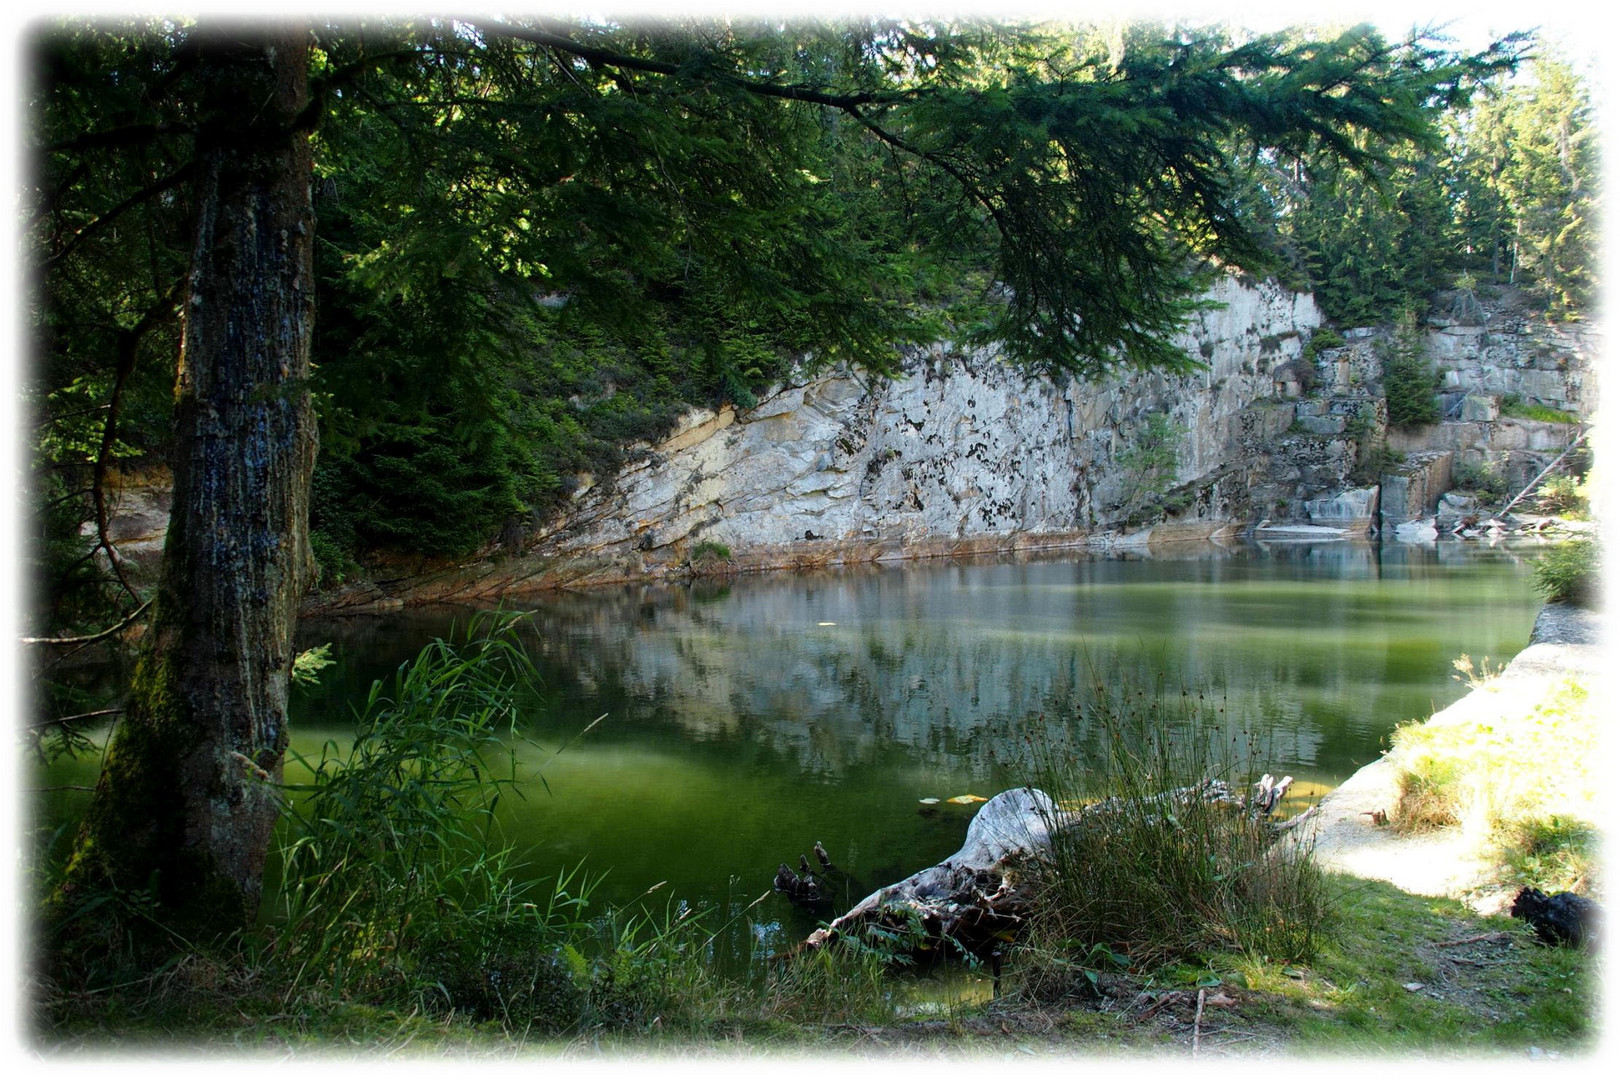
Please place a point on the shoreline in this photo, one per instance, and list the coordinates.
(489, 579)
(1565, 642)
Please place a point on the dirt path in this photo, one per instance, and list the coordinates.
(1564, 642)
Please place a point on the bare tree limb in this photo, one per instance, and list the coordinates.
(1511, 503)
(53, 722)
(91, 639)
(151, 191)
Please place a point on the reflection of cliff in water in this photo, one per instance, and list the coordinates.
(1314, 650)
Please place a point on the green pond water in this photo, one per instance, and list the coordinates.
(747, 720)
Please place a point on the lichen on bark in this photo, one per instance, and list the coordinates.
(187, 803)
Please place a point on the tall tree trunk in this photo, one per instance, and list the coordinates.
(186, 802)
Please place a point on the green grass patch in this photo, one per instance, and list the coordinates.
(1519, 409)
(1552, 853)
(1404, 973)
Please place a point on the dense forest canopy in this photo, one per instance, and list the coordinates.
(490, 254)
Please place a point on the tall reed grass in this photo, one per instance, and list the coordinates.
(395, 892)
(1153, 880)
(393, 873)
(396, 886)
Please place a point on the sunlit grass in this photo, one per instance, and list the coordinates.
(1162, 877)
(1521, 780)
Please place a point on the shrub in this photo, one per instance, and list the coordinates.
(392, 884)
(707, 552)
(1324, 337)
(1149, 465)
(1374, 457)
(1152, 882)
(1564, 496)
(1483, 479)
(332, 562)
(1568, 572)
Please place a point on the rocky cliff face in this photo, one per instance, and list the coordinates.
(962, 452)
(1501, 354)
(1488, 356)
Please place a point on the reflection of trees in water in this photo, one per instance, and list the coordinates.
(840, 696)
(1311, 657)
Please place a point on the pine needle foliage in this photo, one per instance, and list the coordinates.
(542, 240)
(1410, 378)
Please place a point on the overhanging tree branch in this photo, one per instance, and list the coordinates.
(116, 138)
(595, 55)
(91, 639)
(74, 719)
(151, 191)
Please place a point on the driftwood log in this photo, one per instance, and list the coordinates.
(982, 894)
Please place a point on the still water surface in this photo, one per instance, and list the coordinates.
(747, 720)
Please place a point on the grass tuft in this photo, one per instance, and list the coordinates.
(1154, 882)
(1521, 781)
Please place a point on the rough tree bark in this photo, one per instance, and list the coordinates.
(185, 804)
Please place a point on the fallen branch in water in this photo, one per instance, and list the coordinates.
(981, 893)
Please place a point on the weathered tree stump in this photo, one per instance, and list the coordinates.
(973, 895)
(800, 889)
(983, 892)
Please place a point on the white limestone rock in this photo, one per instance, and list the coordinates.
(960, 447)
(1420, 531)
(1349, 511)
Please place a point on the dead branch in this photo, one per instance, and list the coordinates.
(981, 893)
(91, 639)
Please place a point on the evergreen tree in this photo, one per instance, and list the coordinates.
(1410, 378)
(1508, 197)
(1547, 181)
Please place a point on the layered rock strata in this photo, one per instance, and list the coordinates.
(964, 454)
